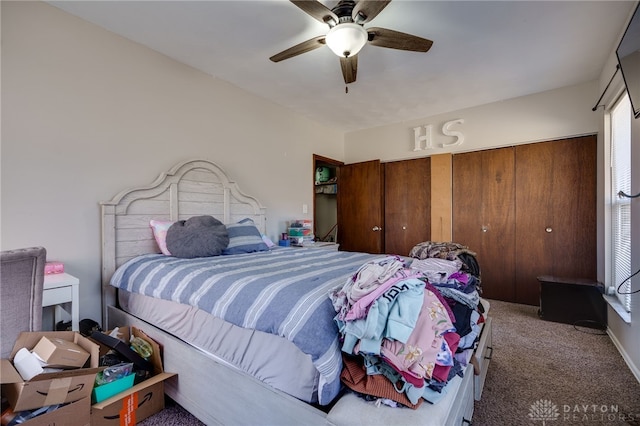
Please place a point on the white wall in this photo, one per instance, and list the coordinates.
(86, 113)
(539, 117)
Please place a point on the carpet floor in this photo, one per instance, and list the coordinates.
(550, 373)
(541, 373)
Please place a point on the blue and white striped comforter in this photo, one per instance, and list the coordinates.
(282, 292)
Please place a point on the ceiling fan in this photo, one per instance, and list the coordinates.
(347, 35)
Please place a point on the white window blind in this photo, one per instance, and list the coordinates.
(621, 206)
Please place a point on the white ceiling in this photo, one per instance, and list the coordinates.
(483, 51)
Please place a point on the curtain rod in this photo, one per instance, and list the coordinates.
(606, 88)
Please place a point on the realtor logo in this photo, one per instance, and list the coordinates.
(543, 410)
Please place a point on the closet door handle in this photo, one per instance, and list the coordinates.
(376, 228)
(548, 229)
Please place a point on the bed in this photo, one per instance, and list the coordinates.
(234, 367)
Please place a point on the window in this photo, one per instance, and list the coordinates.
(621, 206)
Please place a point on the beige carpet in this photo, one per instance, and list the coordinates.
(541, 373)
(550, 373)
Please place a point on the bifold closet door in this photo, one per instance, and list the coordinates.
(555, 213)
(407, 205)
(484, 216)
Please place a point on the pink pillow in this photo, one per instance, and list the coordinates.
(268, 241)
(160, 228)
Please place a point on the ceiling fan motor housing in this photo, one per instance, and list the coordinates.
(344, 9)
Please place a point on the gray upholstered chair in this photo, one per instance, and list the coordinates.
(21, 282)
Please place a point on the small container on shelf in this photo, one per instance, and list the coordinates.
(307, 241)
(323, 174)
(300, 232)
(301, 223)
(329, 189)
(53, 267)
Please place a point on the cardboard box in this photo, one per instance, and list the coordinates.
(130, 407)
(49, 388)
(139, 402)
(77, 413)
(60, 353)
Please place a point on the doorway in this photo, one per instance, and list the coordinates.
(325, 198)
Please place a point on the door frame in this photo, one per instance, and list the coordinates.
(321, 160)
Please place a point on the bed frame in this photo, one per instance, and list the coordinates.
(209, 388)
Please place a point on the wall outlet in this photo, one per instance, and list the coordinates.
(305, 209)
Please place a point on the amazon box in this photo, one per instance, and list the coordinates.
(75, 413)
(49, 388)
(60, 353)
(140, 401)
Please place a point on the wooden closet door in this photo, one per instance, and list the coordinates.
(360, 207)
(556, 213)
(484, 216)
(407, 212)
(467, 200)
(574, 208)
(534, 214)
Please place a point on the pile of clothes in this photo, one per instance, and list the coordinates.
(409, 325)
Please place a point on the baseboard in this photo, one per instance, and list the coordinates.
(634, 368)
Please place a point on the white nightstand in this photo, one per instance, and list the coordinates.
(61, 290)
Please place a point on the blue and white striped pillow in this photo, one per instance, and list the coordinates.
(244, 237)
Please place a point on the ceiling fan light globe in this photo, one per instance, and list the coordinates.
(346, 39)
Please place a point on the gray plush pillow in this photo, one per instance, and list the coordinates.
(199, 236)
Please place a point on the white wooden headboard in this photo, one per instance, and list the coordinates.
(190, 188)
